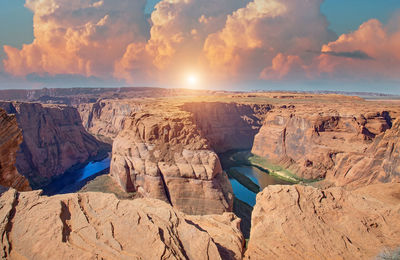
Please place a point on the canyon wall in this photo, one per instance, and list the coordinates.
(162, 155)
(10, 139)
(379, 163)
(227, 126)
(300, 222)
(105, 118)
(99, 226)
(318, 145)
(54, 140)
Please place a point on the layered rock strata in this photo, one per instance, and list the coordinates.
(99, 226)
(54, 140)
(163, 156)
(228, 126)
(298, 222)
(105, 118)
(325, 144)
(379, 163)
(10, 139)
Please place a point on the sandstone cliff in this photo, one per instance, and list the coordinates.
(298, 222)
(380, 162)
(163, 156)
(54, 140)
(105, 118)
(10, 139)
(315, 145)
(228, 126)
(99, 226)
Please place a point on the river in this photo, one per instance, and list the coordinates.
(257, 176)
(74, 181)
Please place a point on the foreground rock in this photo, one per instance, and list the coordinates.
(54, 140)
(99, 226)
(162, 155)
(298, 222)
(10, 139)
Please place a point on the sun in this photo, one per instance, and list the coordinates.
(192, 80)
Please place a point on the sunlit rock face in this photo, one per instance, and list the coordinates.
(163, 156)
(10, 139)
(300, 222)
(99, 226)
(334, 144)
(54, 140)
(105, 118)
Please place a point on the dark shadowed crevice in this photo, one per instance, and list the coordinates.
(9, 226)
(65, 217)
(129, 183)
(167, 194)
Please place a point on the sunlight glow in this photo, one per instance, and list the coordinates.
(192, 80)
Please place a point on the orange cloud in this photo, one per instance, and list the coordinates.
(77, 37)
(230, 40)
(379, 43)
(284, 67)
(178, 31)
(254, 35)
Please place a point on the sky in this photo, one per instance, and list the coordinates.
(218, 44)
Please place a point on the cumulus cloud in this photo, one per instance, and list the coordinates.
(253, 36)
(232, 40)
(178, 31)
(78, 37)
(372, 51)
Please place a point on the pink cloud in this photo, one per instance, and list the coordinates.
(381, 44)
(253, 36)
(77, 37)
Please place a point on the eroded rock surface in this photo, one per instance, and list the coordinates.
(10, 139)
(105, 118)
(327, 143)
(163, 156)
(298, 222)
(99, 226)
(379, 163)
(54, 140)
(228, 126)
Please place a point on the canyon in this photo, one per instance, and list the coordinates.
(10, 139)
(53, 141)
(342, 151)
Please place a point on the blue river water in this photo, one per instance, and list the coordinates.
(74, 181)
(259, 177)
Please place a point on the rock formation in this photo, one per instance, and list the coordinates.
(99, 226)
(105, 118)
(298, 222)
(228, 126)
(54, 140)
(380, 162)
(315, 145)
(10, 139)
(162, 155)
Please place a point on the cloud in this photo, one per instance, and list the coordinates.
(349, 54)
(370, 52)
(285, 67)
(224, 40)
(78, 37)
(253, 36)
(178, 31)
